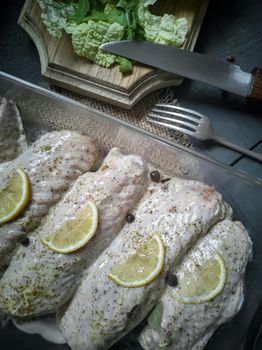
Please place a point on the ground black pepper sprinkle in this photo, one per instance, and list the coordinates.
(155, 176)
(172, 280)
(24, 240)
(165, 180)
(130, 218)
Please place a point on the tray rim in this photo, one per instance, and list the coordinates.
(63, 99)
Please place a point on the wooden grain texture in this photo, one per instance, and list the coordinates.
(256, 88)
(64, 68)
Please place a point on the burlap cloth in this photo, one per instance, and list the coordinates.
(137, 115)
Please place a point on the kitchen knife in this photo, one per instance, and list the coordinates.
(224, 75)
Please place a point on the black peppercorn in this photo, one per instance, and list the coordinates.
(165, 180)
(155, 176)
(24, 240)
(172, 280)
(130, 218)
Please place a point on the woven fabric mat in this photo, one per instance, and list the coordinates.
(137, 115)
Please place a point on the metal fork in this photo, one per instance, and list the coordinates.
(193, 124)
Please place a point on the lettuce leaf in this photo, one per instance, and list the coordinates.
(87, 37)
(93, 22)
(55, 15)
(165, 30)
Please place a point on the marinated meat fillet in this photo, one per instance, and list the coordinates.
(52, 163)
(40, 280)
(101, 311)
(181, 326)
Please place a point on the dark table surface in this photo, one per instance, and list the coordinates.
(230, 28)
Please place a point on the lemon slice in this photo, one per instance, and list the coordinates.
(202, 282)
(15, 196)
(141, 267)
(75, 233)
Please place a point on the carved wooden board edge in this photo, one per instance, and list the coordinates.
(126, 99)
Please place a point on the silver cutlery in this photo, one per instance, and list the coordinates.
(193, 124)
(224, 75)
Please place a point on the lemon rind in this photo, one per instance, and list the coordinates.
(23, 201)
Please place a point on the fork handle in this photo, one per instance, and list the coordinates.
(255, 92)
(246, 152)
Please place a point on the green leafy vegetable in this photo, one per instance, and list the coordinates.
(165, 30)
(82, 9)
(55, 15)
(142, 7)
(125, 65)
(93, 22)
(87, 37)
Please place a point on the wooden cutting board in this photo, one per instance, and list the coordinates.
(62, 67)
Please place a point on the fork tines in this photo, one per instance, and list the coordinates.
(175, 117)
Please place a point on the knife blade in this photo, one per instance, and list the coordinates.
(224, 75)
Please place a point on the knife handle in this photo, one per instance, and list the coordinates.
(255, 92)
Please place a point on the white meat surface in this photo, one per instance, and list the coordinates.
(101, 312)
(40, 280)
(53, 163)
(176, 326)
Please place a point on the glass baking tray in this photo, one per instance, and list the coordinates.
(42, 111)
